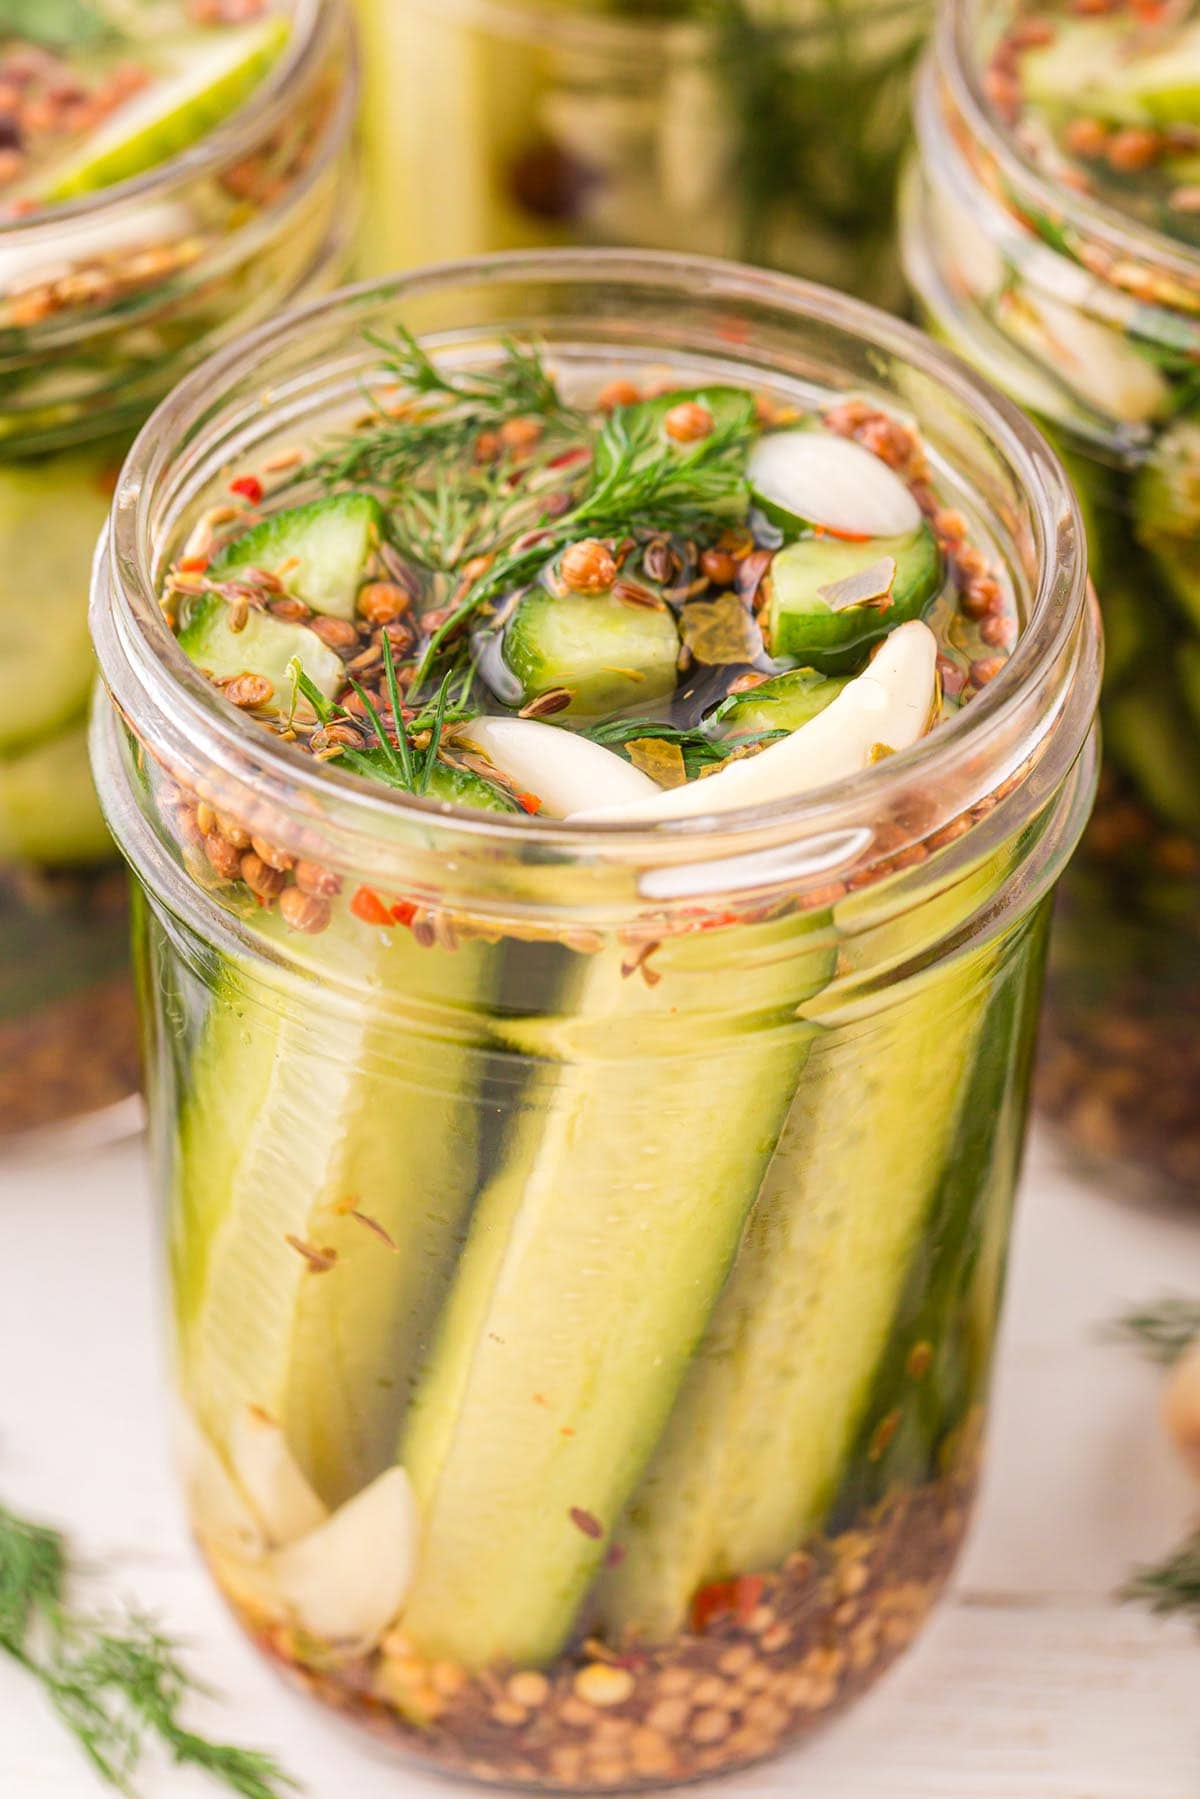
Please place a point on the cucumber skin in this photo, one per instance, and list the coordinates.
(955, 1283)
(834, 642)
(535, 1413)
(291, 1110)
(601, 685)
(282, 535)
(758, 1444)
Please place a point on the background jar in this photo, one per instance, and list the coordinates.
(765, 130)
(367, 1016)
(1095, 334)
(104, 304)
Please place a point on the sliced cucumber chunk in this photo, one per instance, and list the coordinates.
(51, 513)
(205, 82)
(587, 1282)
(608, 655)
(809, 477)
(321, 548)
(264, 646)
(1102, 69)
(814, 615)
(782, 704)
(49, 813)
(463, 787)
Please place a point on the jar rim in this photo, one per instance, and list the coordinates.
(141, 664)
(952, 55)
(314, 22)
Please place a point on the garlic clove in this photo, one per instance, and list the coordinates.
(271, 1478)
(818, 478)
(222, 1516)
(889, 706)
(565, 771)
(1181, 1407)
(347, 1581)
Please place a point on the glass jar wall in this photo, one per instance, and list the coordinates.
(1053, 283)
(105, 300)
(767, 132)
(585, 1242)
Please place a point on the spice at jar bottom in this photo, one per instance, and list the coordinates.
(597, 961)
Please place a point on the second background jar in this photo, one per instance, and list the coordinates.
(764, 130)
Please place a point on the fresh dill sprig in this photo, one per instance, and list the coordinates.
(395, 447)
(635, 479)
(396, 763)
(1172, 1586)
(118, 1686)
(1162, 1331)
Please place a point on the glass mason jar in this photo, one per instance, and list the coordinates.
(585, 1252)
(768, 130)
(104, 303)
(1092, 321)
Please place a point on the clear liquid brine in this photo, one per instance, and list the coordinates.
(582, 1334)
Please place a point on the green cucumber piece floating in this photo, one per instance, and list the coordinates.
(731, 409)
(205, 83)
(49, 813)
(782, 704)
(50, 516)
(608, 655)
(809, 478)
(265, 646)
(830, 600)
(1099, 68)
(326, 545)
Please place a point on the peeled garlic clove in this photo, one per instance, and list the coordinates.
(564, 770)
(1181, 1407)
(347, 1582)
(819, 478)
(888, 706)
(222, 1516)
(271, 1478)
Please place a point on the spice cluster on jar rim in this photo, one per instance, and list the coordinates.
(649, 600)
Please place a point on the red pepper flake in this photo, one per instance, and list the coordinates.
(587, 1522)
(249, 487)
(404, 912)
(529, 802)
(616, 1555)
(842, 536)
(748, 1590)
(192, 565)
(368, 906)
(566, 458)
(711, 1602)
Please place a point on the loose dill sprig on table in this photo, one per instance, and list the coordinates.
(642, 482)
(393, 447)
(1162, 1331)
(118, 1685)
(1172, 1586)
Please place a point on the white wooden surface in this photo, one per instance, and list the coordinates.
(1030, 1684)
